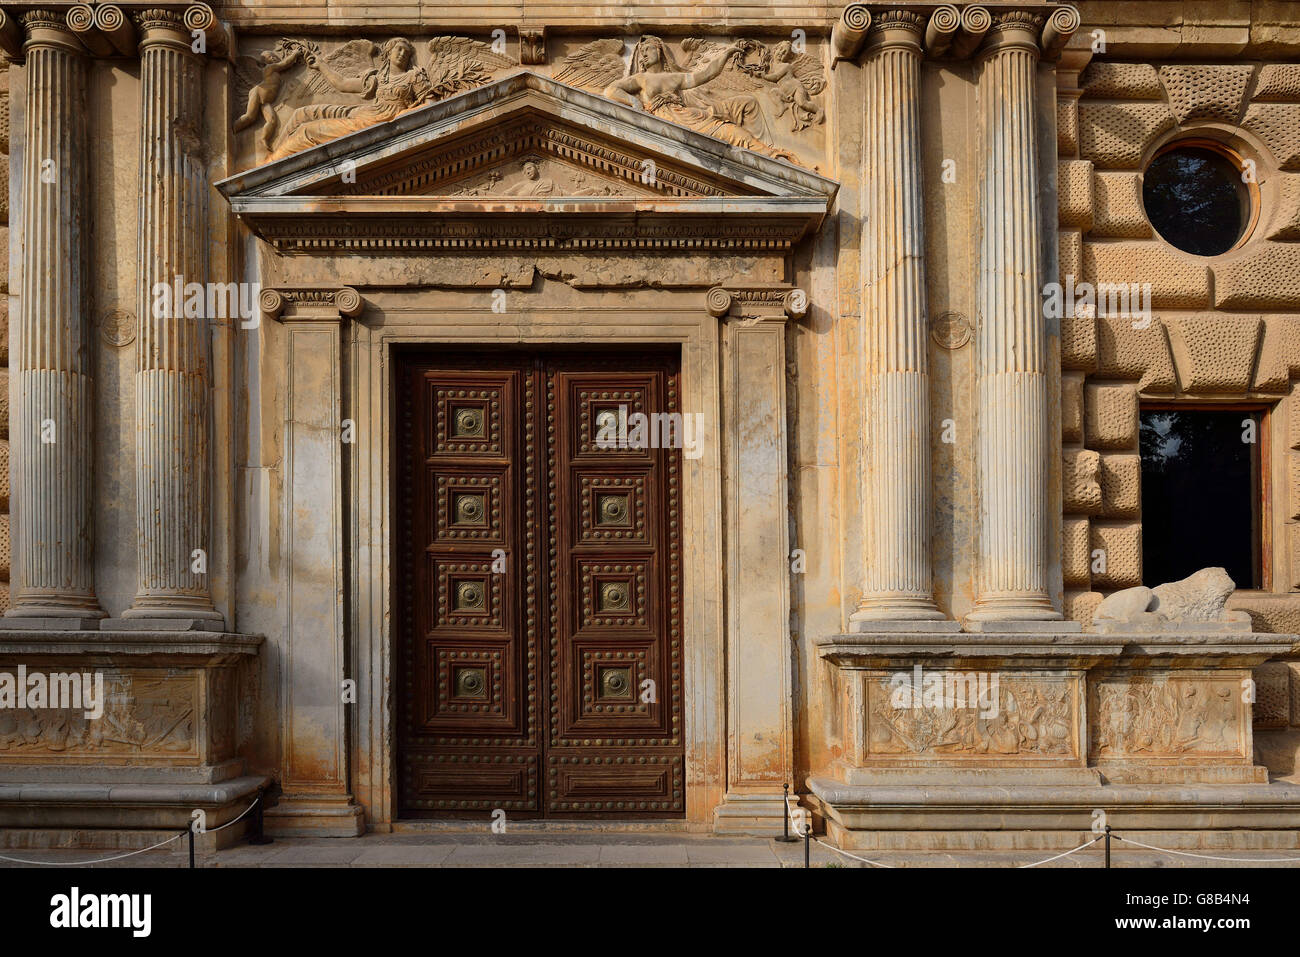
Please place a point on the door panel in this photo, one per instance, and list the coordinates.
(538, 587)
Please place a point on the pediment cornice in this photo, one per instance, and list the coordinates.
(603, 173)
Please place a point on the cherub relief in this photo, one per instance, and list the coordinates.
(797, 77)
(264, 76)
(654, 81)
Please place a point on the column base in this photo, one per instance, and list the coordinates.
(898, 608)
(760, 814)
(128, 623)
(1018, 606)
(315, 816)
(83, 610)
(175, 610)
(914, 625)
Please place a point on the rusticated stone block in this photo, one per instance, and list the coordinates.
(1082, 605)
(1286, 222)
(1069, 245)
(1079, 343)
(4, 597)
(1278, 81)
(4, 475)
(4, 124)
(1117, 207)
(1214, 353)
(1278, 125)
(1119, 564)
(1268, 279)
(1293, 543)
(1074, 552)
(1114, 135)
(4, 192)
(1111, 416)
(1278, 355)
(1294, 669)
(1176, 283)
(4, 327)
(4, 403)
(1067, 125)
(1071, 408)
(1272, 696)
(1143, 354)
(1074, 193)
(4, 262)
(1293, 473)
(1206, 92)
(1123, 81)
(5, 551)
(1121, 486)
(1081, 492)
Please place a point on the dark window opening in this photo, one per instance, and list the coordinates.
(1196, 199)
(1201, 494)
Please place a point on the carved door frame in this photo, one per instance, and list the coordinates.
(369, 398)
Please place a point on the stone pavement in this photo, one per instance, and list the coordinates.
(550, 848)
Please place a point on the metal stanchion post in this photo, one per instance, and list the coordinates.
(1107, 846)
(190, 830)
(257, 836)
(786, 836)
(807, 844)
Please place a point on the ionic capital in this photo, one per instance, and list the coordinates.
(891, 29)
(193, 27)
(1013, 30)
(49, 29)
(320, 304)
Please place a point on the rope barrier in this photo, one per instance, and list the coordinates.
(118, 857)
(1064, 854)
(1211, 857)
(854, 856)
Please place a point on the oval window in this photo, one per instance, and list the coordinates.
(1197, 199)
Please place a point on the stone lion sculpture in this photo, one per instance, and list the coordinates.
(1200, 597)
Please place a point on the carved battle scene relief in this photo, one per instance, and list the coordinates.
(295, 93)
(1034, 717)
(1168, 717)
(144, 715)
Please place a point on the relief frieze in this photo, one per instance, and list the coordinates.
(1025, 716)
(297, 93)
(1147, 716)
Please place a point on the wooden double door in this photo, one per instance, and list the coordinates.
(538, 588)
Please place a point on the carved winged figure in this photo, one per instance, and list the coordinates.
(259, 82)
(655, 82)
(388, 78)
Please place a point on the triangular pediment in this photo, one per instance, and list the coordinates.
(532, 147)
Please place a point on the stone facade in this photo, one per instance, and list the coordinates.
(842, 220)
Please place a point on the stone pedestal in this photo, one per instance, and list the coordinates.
(1012, 740)
(165, 742)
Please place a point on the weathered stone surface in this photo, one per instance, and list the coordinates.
(1267, 278)
(1072, 408)
(1206, 92)
(1067, 125)
(1075, 556)
(1121, 486)
(1074, 196)
(1112, 416)
(1272, 707)
(1121, 81)
(1214, 353)
(1114, 136)
(1120, 546)
(1278, 125)
(1124, 352)
(1117, 211)
(1082, 492)
(1198, 597)
(1176, 281)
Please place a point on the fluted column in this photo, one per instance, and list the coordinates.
(1010, 352)
(897, 581)
(173, 485)
(53, 564)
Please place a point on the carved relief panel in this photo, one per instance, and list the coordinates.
(1187, 717)
(297, 92)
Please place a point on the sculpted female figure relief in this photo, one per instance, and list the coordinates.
(386, 77)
